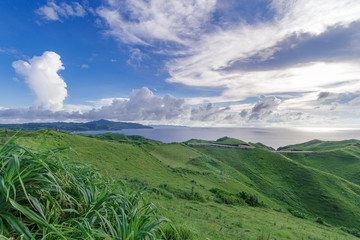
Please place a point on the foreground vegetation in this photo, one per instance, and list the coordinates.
(215, 193)
(43, 196)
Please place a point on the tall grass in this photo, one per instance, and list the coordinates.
(44, 197)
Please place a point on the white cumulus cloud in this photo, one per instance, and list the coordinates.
(141, 105)
(41, 75)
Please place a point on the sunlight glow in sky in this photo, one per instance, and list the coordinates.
(189, 62)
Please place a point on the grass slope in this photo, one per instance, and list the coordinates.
(306, 189)
(223, 140)
(339, 158)
(178, 179)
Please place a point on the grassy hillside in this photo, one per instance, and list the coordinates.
(305, 189)
(223, 140)
(318, 145)
(339, 158)
(210, 191)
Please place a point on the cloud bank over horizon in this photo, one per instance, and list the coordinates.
(212, 54)
(231, 63)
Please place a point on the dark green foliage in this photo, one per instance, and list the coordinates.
(253, 201)
(352, 231)
(297, 213)
(180, 193)
(320, 220)
(226, 197)
(185, 171)
(101, 125)
(236, 199)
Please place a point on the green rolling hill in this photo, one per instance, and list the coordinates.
(339, 158)
(225, 193)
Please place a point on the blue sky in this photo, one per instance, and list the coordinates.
(193, 62)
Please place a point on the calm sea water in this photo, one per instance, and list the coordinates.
(274, 137)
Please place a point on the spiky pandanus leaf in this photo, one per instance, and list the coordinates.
(43, 196)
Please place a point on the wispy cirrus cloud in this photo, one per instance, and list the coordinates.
(212, 53)
(220, 50)
(136, 57)
(145, 22)
(241, 56)
(56, 12)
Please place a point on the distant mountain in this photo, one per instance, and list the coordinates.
(100, 125)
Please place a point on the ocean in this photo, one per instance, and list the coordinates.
(273, 137)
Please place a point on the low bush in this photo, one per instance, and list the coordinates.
(297, 213)
(352, 231)
(253, 201)
(226, 197)
(320, 220)
(185, 171)
(180, 193)
(236, 199)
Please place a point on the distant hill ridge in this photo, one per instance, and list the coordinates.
(100, 125)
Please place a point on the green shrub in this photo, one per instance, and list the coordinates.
(297, 213)
(44, 197)
(226, 197)
(243, 195)
(180, 193)
(352, 231)
(320, 220)
(185, 171)
(251, 199)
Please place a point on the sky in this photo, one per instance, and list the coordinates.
(267, 63)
